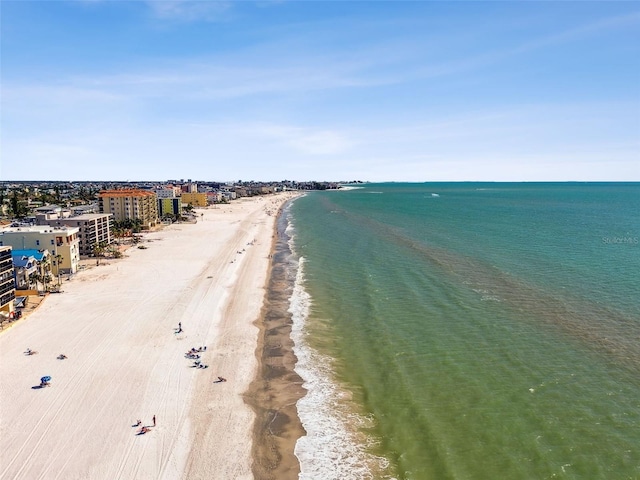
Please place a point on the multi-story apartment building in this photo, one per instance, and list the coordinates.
(168, 192)
(170, 206)
(130, 204)
(95, 228)
(7, 284)
(214, 197)
(23, 263)
(194, 199)
(62, 243)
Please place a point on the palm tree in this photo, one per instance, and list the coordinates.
(99, 249)
(45, 278)
(33, 278)
(58, 258)
(137, 225)
(118, 233)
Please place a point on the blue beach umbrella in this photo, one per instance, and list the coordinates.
(45, 379)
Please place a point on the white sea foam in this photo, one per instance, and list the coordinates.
(333, 448)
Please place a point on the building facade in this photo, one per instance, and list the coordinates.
(24, 267)
(42, 259)
(168, 192)
(130, 204)
(194, 199)
(62, 243)
(95, 228)
(7, 284)
(169, 207)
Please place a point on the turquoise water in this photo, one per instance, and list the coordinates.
(469, 331)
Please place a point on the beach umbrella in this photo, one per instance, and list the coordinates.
(45, 379)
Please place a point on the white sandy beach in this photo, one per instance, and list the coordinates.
(116, 324)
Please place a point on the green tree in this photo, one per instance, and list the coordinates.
(18, 207)
(33, 279)
(46, 280)
(58, 196)
(58, 259)
(99, 249)
(114, 251)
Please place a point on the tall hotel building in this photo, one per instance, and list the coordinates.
(130, 204)
(7, 284)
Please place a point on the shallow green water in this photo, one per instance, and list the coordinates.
(488, 330)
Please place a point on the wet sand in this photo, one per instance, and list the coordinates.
(276, 389)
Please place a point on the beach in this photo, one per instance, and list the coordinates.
(119, 326)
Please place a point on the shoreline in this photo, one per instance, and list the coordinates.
(277, 387)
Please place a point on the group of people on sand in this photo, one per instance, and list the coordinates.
(193, 354)
(29, 352)
(44, 381)
(145, 428)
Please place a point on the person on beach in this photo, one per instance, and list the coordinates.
(137, 424)
(154, 420)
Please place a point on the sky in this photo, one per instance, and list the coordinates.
(320, 90)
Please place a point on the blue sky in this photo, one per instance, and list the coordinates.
(333, 90)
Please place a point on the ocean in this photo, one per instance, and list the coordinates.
(467, 330)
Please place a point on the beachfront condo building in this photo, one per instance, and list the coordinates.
(194, 199)
(23, 259)
(62, 242)
(130, 204)
(170, 207)
(95, 228)
(7, 283)
(24, 268)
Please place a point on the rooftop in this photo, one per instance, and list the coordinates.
(128, 192)
(30, 252)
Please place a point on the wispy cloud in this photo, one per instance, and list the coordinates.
(492, 57)
(190, 10)
(388, 99)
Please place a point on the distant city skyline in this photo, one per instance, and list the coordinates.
(102, 90)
